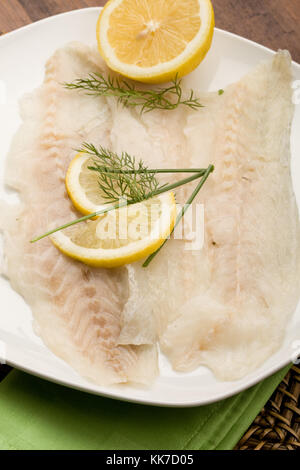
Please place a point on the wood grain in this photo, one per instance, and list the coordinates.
(273, 23)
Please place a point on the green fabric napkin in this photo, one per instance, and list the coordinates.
(37, 414)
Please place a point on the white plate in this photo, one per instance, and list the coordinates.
(22, 57)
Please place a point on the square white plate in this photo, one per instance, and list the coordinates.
(23, 54)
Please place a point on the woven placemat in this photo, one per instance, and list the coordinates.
(277, 427)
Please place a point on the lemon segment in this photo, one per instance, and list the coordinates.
(82, 185)
(120, 236)
(152, 41)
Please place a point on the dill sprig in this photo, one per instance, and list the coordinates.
(121, 176)
(167, 98)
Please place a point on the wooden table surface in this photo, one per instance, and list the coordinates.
(274, 23)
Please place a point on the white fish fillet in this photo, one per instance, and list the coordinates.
(77, 309)
(210, 307)
(226, 306)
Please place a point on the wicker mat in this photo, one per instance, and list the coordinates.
(277, 427)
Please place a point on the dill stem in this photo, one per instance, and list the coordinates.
(81, 219)
(169, 187)
(200, 171)
(186, 206)
(126, 203)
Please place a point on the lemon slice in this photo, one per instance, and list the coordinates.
(152, 41)
(82, 185)
(120, 236)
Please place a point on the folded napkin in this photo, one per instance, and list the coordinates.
(37, 414)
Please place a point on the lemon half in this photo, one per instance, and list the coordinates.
(152, 41)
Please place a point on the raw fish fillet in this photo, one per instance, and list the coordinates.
(251, 256)
(77, 310)
(227, 305)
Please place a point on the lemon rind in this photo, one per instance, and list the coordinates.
(77, 196)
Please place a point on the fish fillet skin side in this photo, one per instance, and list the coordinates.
(77, 310)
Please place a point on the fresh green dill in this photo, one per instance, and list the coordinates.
(121, 176)
(129, 95)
